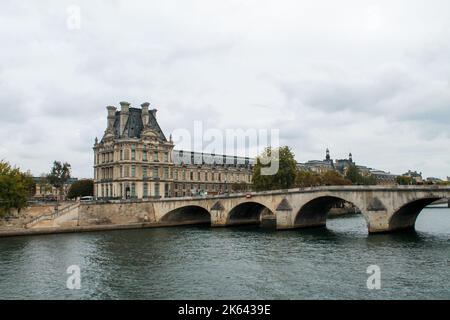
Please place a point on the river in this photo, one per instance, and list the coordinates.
(233, 263)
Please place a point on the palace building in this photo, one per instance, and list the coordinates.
(134, 159)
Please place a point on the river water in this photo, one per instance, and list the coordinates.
(233, 263)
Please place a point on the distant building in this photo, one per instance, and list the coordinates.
(383, 177)
(415, 176)
(45, 191)
(318, 166)
(342, 165)
(434, 180)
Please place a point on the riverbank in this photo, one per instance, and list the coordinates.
(80, 229)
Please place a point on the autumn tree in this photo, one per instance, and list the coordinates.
(305, 178)
(333, 178)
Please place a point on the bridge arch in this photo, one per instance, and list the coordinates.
(249, 212)
(314, 212)
(191, 214)
(406, 215)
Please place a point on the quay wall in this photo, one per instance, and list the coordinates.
(119, 213)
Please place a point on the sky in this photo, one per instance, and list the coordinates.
(367, 77)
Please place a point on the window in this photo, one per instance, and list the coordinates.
(133, 190)
(121, 154)
(133, 171)
(144, 172)
(155, 173)
(198, 176)
(155, 156)
(133, 152)
(144, 155)
(191, 176)
(166, 190)
(157, 190)
(145, 191)
(166, 173)
(184, 175)
(175, 175)
(127, 154)
(166, 157)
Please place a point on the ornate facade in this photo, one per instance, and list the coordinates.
(134, 159)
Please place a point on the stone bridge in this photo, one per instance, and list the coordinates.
(385, 208)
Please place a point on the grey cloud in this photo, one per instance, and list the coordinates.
(328, 80)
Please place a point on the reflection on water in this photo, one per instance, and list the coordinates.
(233, 263)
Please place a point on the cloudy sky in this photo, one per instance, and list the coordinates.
(367, 77)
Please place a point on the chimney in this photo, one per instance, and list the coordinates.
(124, 113)
(145, 116)
(111, 116)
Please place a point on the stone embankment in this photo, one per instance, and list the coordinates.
(85, 217)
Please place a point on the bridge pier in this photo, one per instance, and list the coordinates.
(218, 218)
(284, 220)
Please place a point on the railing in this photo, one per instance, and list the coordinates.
(51, 216)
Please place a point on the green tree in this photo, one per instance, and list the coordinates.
(240, 187)
(284, 177)
(404, 180)
(15, 187)
(354, 175)
(58, 176)
(81, 188)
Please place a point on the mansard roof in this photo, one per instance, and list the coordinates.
(134, 126)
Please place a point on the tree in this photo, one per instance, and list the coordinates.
(354, 175)
(284, 177)
(240, 186)
(58, 176)
(333, 178)
(404, 180)
(306, 178)
(15, 187)
(81, 188)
